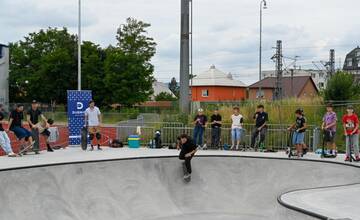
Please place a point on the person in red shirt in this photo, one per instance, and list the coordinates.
(351, 131)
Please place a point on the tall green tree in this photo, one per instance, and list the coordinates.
(92, 69)
(174, 87)
(43, 66)
(341, 87)
(128, 71)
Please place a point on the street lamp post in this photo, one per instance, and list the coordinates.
(263, 5)
(79, 48)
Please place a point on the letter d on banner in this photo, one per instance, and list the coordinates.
(77, 102)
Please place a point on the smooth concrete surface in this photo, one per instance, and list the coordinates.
(222, 187)
(333, 202)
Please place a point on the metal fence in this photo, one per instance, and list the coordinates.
(277, 136)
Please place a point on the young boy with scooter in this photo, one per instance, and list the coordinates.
(299, 134)
(351, 131)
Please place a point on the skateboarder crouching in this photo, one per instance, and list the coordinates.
(188, 150)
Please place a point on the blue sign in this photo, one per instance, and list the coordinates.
(77, 101)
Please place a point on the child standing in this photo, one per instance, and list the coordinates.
(329, 128)
(299, 133)
(236, 127)
(351, 131)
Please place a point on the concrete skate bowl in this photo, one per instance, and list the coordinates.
(226, 188)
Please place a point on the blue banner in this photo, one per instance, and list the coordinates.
(77, 101)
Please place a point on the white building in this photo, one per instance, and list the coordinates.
(319, 77)
(160, 87)
(4, 75)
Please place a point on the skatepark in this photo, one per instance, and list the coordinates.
(148, 184)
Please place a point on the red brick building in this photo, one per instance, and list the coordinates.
(214, 85)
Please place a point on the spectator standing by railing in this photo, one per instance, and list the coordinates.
(329, 128)
(216, 122)
(299, 126)
(351, 131)
(261, 118)
(200, 122)
(237, 121)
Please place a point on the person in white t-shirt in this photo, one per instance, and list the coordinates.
(236, 127)
(93, 121)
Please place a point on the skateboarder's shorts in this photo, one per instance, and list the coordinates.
(94, 132)
(21, 132)
(329, 136)
(46, 133)
(298, 137)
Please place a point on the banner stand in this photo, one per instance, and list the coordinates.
(77, 103)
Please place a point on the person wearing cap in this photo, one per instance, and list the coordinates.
(34, 118)
(351, 130)
(93, 121)
(200, 122)
(216, 122)
(237, 121)
(4, 139)
(299, 126)
(16, 125)
(329, 128)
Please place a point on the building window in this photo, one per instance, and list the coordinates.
(260, 94)
(321, 85)
(349, 62)
(357, 53)
(205, 93)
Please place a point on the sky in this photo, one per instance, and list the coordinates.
(226, 32)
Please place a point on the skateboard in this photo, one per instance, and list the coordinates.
(24, 150)
(185, 173)
(84, 138)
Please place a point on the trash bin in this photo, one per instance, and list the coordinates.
(134, 141)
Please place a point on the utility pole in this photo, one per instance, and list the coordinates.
(332, 62)
(263, 5)
(79, 47)
(184, 57)
(278, 66)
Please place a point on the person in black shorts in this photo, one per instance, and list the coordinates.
(38, 122)
(261, 118)
(187, 151)
(15, 125)
(216, 122)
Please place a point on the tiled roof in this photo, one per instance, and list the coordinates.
(214, 77)
(289, 84)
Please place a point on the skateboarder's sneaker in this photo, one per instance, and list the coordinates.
(187, 176)
(12, 154)
(91, 148)
(347, 158)
(49, 149)
(99, 148)
(37, 152)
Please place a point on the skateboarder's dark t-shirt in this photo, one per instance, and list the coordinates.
(1, 118)
(261, 118)
(34, 115)
(300, 122)
(215, 118)
(17, 117)
(188, 146)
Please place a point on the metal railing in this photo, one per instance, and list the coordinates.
(277, 136)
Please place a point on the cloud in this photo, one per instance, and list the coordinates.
(226, 32)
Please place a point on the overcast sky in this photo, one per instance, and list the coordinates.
(226, 32)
